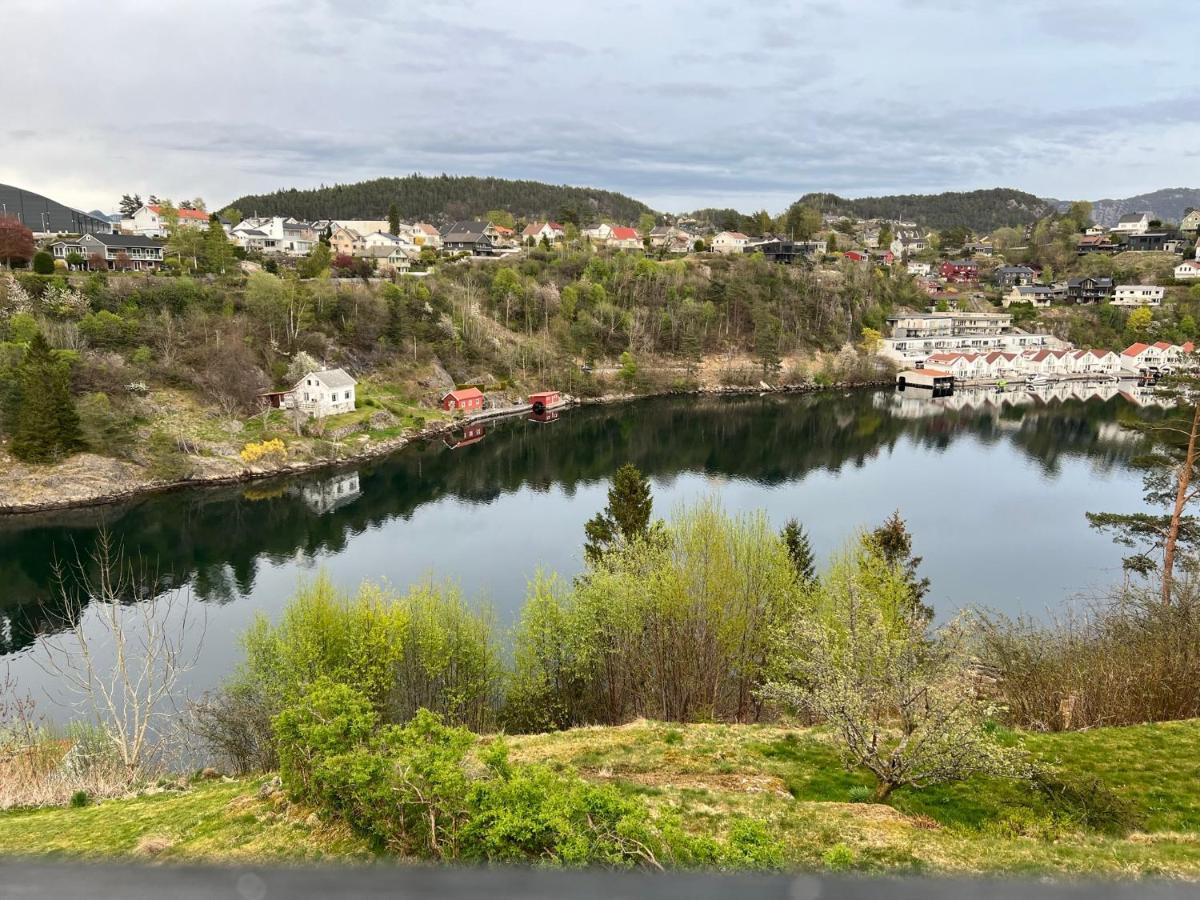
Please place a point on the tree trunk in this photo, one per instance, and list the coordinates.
(883, 790)
(1185, 480)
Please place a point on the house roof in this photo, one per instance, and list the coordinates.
(1189, 264)
(621, 233)
(461, 394)
(183, 213)
(125, 240)
(334, 378)
(1133, 217)
(1013, 270)
(1135, 349)
(736, 235)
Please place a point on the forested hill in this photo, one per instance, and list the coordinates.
(1168, 204)
(445, 198)
(979, 211)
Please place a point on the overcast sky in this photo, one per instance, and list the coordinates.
(680, 103)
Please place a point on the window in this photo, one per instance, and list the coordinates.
(347, 395)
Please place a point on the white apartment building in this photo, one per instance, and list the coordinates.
(915, 336)
(1138, 295)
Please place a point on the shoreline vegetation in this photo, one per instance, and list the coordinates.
(701, 696)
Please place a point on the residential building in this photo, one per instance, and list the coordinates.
(1143, 358)
(778, 250)
(1094, 230)
(121, 251)
(908, 245)
(362, 226)
(344, 241)
(599, 233)
(1134, 223)
(856, 256)
(1190, 221)
(962, 270)
(915, 336)
(468, 237)
(1090, 289)
(324, 393)
(148, 221)
(1008, 276)
(551, 231)
(274, 235)
(1039, 295)
(426, 235)
(389, 258)
(1146, 241)
(1095, 243)
(1138, 295)
(625, 238)
(1188, 270)
(465, 400)
(921, 269)
(979, 248)
(729, 242)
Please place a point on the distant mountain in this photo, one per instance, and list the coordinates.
(980, 211)
(444, 198)
(1168, 204)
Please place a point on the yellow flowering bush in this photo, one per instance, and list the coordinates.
(272, 449)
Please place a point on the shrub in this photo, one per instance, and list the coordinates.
(80, 799)
(839, 858)
(43, 263)
(679, 627)
(431, 790)
(273, 449)
(860, 793)
(106, 429)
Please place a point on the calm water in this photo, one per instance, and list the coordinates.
(994, 493)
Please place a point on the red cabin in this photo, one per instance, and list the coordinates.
(543, 400)
(465, 399)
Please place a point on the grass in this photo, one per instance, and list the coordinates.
(789, 778)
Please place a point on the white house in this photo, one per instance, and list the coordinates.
(274, 234)
(1039, 295)
(908, 245)
(731, 242)
(1134, 223)
(1138, 295)
(1096, 362)
(551, 231)
(919, 268)
(1140, 356)
(324, 393)
(148, 221)
(601, 233)
(1187, 270)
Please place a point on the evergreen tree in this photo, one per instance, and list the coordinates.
(393, 219)
(130, 204)
(795, 538)
(895, 543)
(318, 260)
(47, 424)
(218, 254)
(625, 519)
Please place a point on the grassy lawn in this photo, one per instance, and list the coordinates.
(789, 778)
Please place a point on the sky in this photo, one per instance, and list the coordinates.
(680, 103)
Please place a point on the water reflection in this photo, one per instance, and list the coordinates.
(218, 540)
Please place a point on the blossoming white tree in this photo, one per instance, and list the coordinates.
(902, 703)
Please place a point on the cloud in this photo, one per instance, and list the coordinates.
(679, 104)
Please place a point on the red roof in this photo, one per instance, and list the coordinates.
(937, 373)
(1135, 349)
(183, 213)
(464, 394)
(1162, 345)
(621, 233)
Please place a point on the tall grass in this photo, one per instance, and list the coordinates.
(1129, 660)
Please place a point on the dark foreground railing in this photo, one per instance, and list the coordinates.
(35, 881)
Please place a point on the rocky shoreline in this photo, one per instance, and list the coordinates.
(117, 481)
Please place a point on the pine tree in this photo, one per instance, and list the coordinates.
(217, 252)
(47, 424)
(625, 519)
(895, 543)
(393, 219)
(795, 538)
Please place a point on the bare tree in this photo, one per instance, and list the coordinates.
(121, 649)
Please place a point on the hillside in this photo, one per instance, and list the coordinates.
(1168, 204)
(444, 198)
(980, 211)
(1138, 817)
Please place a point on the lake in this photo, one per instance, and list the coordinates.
(994, 489)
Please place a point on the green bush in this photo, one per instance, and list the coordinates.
(43, 263)
(80, 799)
(860, 793)
(434, 791)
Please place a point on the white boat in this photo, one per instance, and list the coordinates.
(1037, 381)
